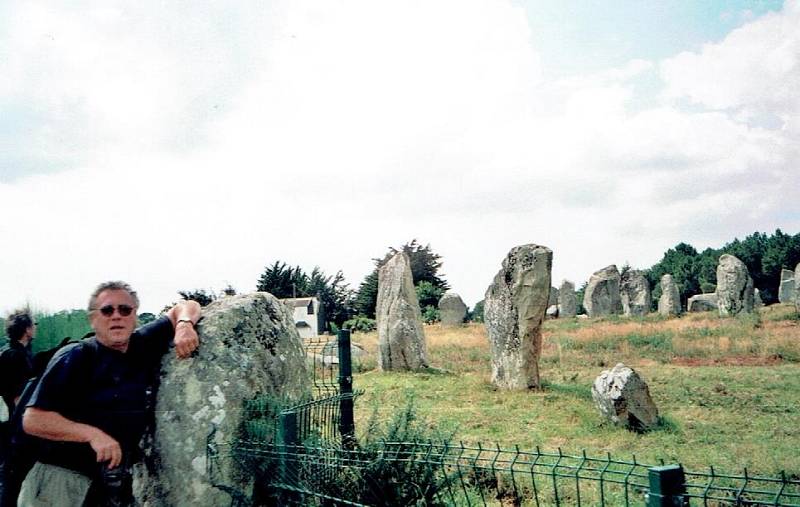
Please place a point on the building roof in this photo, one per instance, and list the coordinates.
(297, 302)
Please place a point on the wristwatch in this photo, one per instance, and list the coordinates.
(190, 321)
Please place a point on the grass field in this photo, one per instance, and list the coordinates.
(728, 390)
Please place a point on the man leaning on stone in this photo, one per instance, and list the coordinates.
(95, 399)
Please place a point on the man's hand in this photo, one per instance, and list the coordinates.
(106, 448)
(186, 340)
(54, 426)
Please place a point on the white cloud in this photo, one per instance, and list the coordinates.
(755, 69)
(208, 143)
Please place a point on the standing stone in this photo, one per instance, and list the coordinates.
(786, 287)
(623, 397)
(734, 287)
(670, 301)
(515, 305)
(634, 291)
(567, 300)
(401, 341)
(757, 301)
(452, 310)
(602, 293)
(797, 287)
(553, 298)
(702, 303)
(249, 348)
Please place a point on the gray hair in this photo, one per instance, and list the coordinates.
(113, 285)
(17, 323)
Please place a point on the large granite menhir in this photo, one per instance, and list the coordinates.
(567, 300)
(401, 341)
(514, 309)
(734, 287)
(452, 310)
(786, 287)
(797, 287)
(670, 301)
(602, 293)
(249, 348)
(634, 292)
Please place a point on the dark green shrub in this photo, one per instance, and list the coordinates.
(430, 315)
(360, 324)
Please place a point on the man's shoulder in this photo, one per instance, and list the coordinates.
(75, 351)
(160, 325)
(9, 351)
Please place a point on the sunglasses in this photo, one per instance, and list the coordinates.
(108, 310)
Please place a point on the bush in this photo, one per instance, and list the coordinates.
(430, 314)
(476, 315)
(392, 481)
(360, 324)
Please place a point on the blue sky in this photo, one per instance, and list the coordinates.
(585, 36)
(175, 145)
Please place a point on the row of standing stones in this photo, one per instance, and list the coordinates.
(251, 348)
(609, 293)
(514, 309)
(519, 298)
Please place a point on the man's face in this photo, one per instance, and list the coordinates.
(29, 334)
(113, 330)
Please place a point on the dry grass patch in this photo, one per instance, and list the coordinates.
(728, 389)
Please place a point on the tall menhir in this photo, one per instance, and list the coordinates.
(401, 341)
(515, 306)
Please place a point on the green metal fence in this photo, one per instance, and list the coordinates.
(304, 453)
(426, 473)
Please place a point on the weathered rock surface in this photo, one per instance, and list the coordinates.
(634, 291)
(702, 303)
(249, 347)
(567, 300)
(553, 298)
(401, 340)
(623, 397)
(670, 301)
(797, 287)
(757, 301)
(551, 312)
(602, 293)
(515, 305)
(452, 310)
(734, 286)
(786, 287)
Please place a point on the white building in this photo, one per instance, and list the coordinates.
(308, 316)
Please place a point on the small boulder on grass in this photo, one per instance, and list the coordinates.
(623, 397)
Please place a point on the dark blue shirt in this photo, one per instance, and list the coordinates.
(114, 391)
(16, 367)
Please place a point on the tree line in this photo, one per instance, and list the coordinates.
(696, 272)
(693, 271)
(341, 305)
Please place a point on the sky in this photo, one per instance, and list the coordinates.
(184, 145)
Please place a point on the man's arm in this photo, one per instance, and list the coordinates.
(186, 340)
(53, 426)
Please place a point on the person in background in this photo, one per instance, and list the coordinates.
(94, 400)
(16, 367)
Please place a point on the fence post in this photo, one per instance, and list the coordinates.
(667, 487)
(346, 421)
(288, 461)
